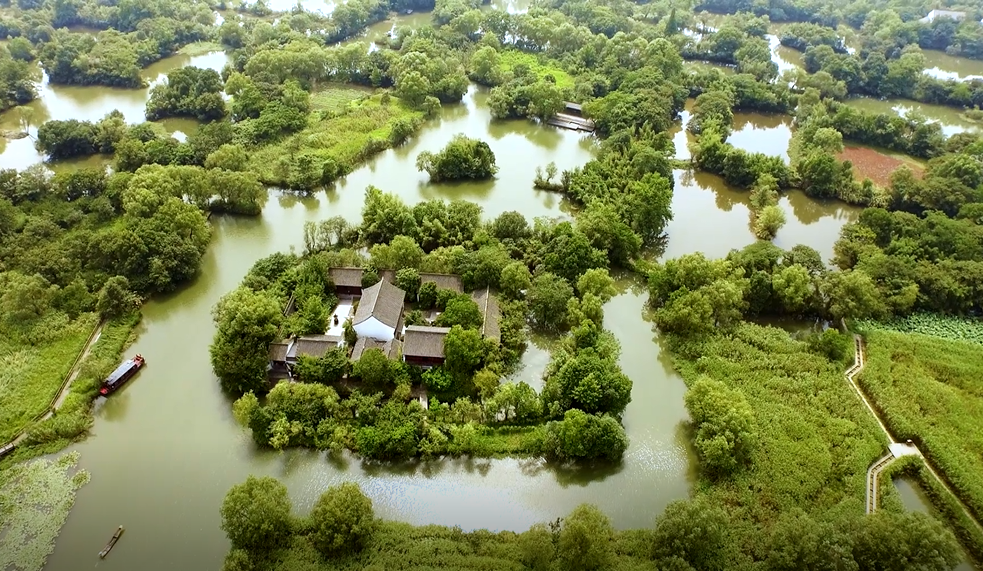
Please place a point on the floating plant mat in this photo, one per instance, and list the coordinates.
(35, 499)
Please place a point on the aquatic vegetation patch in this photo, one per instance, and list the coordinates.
(875, 165)
(953, 328)
(816, 440)
(337, 98)
(35, 499)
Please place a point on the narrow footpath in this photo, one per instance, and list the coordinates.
(66, 387)
(896, 449)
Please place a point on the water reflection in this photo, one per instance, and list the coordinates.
(787, 59)
(941, 65)
(762, 133)
(950, 118)
(92, 103)
(712, 217)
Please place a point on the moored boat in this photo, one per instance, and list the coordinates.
(123, 373)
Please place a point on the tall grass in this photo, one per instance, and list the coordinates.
(816, 438)
(32, 374)
(74, 418)
(509, 59)
(344, 131)
(930, 390)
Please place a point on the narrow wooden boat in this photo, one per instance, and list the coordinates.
(123, 373)
(112, 542)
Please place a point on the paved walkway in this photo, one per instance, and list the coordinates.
(896, 449)
(65, 390)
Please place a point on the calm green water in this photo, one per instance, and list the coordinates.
(944, 66)
(950, 118)
(713, 217)
(165, 449)
(914, 499)
(92, 103)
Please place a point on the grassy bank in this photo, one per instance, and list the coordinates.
(31, 374)
(346, 128)
(930, 391)
(815, 438)
(397, 546)
(201, 48)
(74, 418)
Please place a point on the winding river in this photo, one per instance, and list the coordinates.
(165, 449)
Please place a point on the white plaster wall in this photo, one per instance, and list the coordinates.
(375, 329)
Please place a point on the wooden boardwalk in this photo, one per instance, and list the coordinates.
(896, 449)
(572, 122)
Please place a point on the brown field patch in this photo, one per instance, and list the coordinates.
(875, 165)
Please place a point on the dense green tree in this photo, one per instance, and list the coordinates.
(374, 369)
(247, 323)
(588, 380)
(515, 280)
(462, 158)
(342, 520)
(726, 428)
(256, 514)
(547, 297)
(585, 540)
(326, 369)
(461, 310)
(115, 298)
(189, 91)
(408, 280)
(464, 352)
(695, 531)
(918, 541)
(582, 436)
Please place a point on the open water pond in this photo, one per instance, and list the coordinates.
(941, 65)
(950, 118)
(92, 103)
(712, 217)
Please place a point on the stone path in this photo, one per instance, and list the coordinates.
(896, 449)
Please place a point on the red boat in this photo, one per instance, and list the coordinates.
(122, 374)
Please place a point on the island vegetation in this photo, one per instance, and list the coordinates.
(462, 158)
(783, 445)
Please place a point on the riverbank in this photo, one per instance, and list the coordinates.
(71, 414)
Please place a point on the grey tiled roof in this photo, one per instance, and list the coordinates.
(420, 341)
(383, 301)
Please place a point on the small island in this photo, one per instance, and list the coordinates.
(462, 159)
(403, 353)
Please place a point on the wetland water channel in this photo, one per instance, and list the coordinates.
(165, 449)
